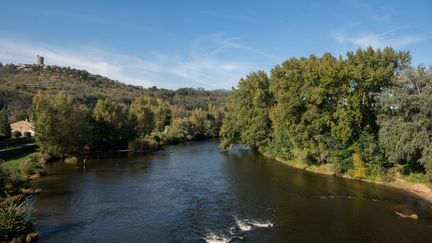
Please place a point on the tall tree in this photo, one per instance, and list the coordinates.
(111, 125)
(405, 120)
(5, 128)
(62, 125)
(248, 120)
(142, 115)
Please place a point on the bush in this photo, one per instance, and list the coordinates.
(14, 218)
(359, 167)
(145, 143)
(16, 134)
(30, 165)
(27, 134)
(4, 178)
(71, 160)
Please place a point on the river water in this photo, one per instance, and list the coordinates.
(196, 192)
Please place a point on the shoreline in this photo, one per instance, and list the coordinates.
(418, 190)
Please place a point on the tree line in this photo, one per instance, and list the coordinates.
(64, 126)
(18, 86)
(365, 114)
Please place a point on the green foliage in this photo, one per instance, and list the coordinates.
(405, 121)
(359, 166)
(19, 85)
(14, 172)
(27, 134)
(62, 125)
(248, 121)
(142, 115)
(111, 127)
(71, 160)
(14, 217)
(162, 115)
(145, 143)
(21, 116)
(16, 134)
(5, 129)
(361, 113)
(181, 129)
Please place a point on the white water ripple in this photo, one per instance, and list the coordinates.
(214, 238)
(241, 225)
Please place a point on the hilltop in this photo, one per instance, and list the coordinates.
(19, 83)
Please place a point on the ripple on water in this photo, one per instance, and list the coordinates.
(235, 231)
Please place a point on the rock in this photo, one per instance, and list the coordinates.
(34, 176)
(30, 191)
(33, 236)
(411, 216)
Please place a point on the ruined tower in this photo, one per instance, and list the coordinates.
(39, 60)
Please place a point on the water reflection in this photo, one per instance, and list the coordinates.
(195, 192)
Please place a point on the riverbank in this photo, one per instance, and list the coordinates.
(16, 224)
(419, 190)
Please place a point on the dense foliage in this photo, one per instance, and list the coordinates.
(61, 124)
(364, 113)
(19, 83)
(14, 218)
(64, 126)
(5, 128)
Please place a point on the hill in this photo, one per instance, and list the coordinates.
(19, 83)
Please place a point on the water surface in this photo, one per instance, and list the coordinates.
(195, 193)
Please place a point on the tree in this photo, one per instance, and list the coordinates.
(405, 120)
(248, 121)
(111, 125)
(5, 128)
(181, 129)
(62, 125)
(149, 114)
(142, 116)
(315, 109)
(16, 134)
(162, 115)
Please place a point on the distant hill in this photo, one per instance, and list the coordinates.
(19, 83)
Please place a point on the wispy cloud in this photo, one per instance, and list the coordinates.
(375, 10)
(228, 16)
(203, 65)
(378, 40)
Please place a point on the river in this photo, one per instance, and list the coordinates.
(196, 192)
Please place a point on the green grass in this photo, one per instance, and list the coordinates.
(417, 178)
(14, 164)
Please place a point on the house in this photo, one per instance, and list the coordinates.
(23, 126)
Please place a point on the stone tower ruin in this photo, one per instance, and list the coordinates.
(39, 60)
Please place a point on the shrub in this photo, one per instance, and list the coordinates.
(16, 134)
(71, 160)
(343, 162)
(27, 134)
(145, 143)
(14, 217)
(4, 178)
(30, 165)
(359, 167)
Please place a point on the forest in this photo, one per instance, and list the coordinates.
(146, 124)
(366, 114)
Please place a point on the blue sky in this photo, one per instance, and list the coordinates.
(208, 44)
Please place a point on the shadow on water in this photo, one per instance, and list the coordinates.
(196, 192)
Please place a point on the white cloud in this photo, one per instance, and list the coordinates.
(378, 40)
(201, 66)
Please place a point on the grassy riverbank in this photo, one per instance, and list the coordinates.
(15, 221)
(413, 183)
